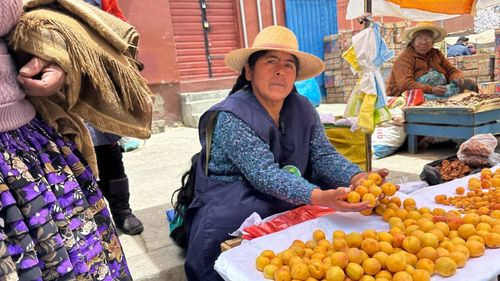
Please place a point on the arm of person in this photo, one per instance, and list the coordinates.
(254, 159)
(403, 71)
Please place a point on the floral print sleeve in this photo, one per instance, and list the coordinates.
(327, 164)
(251, 156)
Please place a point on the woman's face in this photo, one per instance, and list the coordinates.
(423, 42)
(272, 76)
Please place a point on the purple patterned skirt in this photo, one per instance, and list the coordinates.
(54, 224)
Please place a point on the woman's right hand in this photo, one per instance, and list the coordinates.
(439, 90)
(335, 199)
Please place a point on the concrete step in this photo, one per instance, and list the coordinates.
(192, 111)
(197, 96)
(193, 105)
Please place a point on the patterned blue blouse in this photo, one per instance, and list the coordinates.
(237, 152)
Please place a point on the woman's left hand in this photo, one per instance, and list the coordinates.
(459, 81)
(41, 78)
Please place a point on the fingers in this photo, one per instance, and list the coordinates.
(33, 67)
(382, 172)
(51, 81)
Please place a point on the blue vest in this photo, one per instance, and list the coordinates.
(219, 208)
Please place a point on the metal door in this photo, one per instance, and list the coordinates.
(204, 31)
(311, 20)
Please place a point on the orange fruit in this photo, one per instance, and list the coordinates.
(353, 197)
(445, 266)
(388, 188)
(318, 235)
(361, 190)
(474, 183)
(460, 190)
(376, 178)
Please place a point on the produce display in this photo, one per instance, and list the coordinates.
(420, 242)
(468, 99)
(482, 198)
(450, 170)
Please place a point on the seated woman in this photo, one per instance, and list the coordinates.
(420, 66)
(261, 131)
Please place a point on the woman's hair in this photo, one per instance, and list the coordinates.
(185, 193)
(242, 81)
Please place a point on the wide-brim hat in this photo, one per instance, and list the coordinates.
(439, 33)
(277, 38)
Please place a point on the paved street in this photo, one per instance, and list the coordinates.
(154, 171)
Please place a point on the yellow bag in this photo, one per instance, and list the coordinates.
(352, 145)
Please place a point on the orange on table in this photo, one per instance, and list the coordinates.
(474, 183)
(460, 190)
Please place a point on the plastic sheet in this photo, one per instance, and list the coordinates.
(285, 220)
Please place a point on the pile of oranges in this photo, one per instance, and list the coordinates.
(420, 242)
(483, 196)
(370, 190)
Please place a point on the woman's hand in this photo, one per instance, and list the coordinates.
(335, 199)
(459, 81)
(41, 78)
(439, 90)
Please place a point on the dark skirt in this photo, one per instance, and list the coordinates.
(54, 223)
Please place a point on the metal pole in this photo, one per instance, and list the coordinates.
(244, 23)
(275, 19)
(259, 14)
(368, 137)
(206, 29)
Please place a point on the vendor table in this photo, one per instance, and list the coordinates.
(238, 263)
(449, 122)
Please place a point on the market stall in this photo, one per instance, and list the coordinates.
(459, 117)
(239, 263)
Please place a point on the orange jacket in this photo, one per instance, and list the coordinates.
(111, 6)
(409, 66)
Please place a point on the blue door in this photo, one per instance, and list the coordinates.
(311, 20)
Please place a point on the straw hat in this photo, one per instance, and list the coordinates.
(439, 33)
(277, 38)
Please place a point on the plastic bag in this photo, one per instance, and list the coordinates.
(479, 151)
(351, 145)
(310, 89)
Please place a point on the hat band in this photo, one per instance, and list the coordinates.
(275, 46)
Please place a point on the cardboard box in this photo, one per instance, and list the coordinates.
(488, 88)
(229, 244)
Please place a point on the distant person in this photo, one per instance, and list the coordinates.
(460, 48)
(472, 48)
(420, 66)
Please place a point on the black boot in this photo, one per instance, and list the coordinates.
(117, 194)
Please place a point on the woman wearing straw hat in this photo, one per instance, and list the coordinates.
(268, 152)
(420, 66)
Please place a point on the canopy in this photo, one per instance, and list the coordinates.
(420, 10)
(486, 37)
